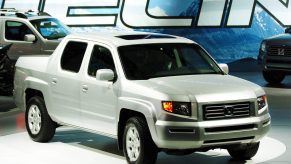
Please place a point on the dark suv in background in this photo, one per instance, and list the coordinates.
(275, 57)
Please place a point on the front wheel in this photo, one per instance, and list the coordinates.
(273, 77)
(244, 152)
(139, 147)
(39, 125)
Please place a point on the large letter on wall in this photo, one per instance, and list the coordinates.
(280, 10)
(62, 9)
(241, 12)
(212, 13)
(135, 14)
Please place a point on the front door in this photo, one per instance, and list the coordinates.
(15, 32)
(99, 98)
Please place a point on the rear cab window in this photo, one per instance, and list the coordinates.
(73, 55)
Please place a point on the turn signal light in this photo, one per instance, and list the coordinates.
(181, 108)
(168, 106)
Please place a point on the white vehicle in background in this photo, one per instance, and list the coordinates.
(30, 33)
(151, 92)
(27, 33)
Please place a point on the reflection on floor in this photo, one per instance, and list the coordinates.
(74, 146)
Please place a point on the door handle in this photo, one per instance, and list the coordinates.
(54, 81)
(85, 88)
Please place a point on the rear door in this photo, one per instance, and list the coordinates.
(65, 83)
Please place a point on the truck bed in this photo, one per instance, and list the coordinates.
(36, 63)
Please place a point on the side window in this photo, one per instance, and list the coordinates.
(73, 56)
(101, 58)
(16, 30)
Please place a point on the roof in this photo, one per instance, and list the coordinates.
(119, 38)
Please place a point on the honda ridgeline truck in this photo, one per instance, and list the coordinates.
(275, 57)
(151, 92)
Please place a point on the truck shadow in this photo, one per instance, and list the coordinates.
(108, 146)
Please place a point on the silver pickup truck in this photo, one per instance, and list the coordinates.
(151, 92)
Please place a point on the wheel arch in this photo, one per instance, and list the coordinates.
(124, 115)
(36, 87)
(29, 93)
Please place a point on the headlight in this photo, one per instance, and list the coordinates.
(264, 47)
(262, 102)
(182, 108)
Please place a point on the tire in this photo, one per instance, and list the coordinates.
(39, 125)
(244, 152)
(137, 136)
(273, 77)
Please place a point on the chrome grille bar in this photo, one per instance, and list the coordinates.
(226, 111)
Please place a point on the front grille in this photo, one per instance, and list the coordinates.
(226, 111)
(279, 51)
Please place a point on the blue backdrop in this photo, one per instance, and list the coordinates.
(225, 44)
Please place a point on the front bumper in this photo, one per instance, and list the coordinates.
(218, 133)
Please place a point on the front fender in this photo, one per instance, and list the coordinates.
(146, 108)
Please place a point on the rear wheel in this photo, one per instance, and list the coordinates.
(139, 147)
(245, 151)
(39, 125)
(273, 77)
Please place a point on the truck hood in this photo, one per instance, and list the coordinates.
(280, 39)
(205, 88)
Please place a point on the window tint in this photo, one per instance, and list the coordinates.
(16, 30)
(73, 56)
(147, 61)
(101, 58)
(50, 28)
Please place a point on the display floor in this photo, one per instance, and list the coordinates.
(75, 146)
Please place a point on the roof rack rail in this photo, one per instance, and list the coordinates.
(21, 14)
(7, 11)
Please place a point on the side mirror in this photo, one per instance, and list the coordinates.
(288, 30)
(224, 67)
(105, 75)
(29, 38)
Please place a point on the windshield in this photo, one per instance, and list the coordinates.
(147, 61)
(51, 28)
